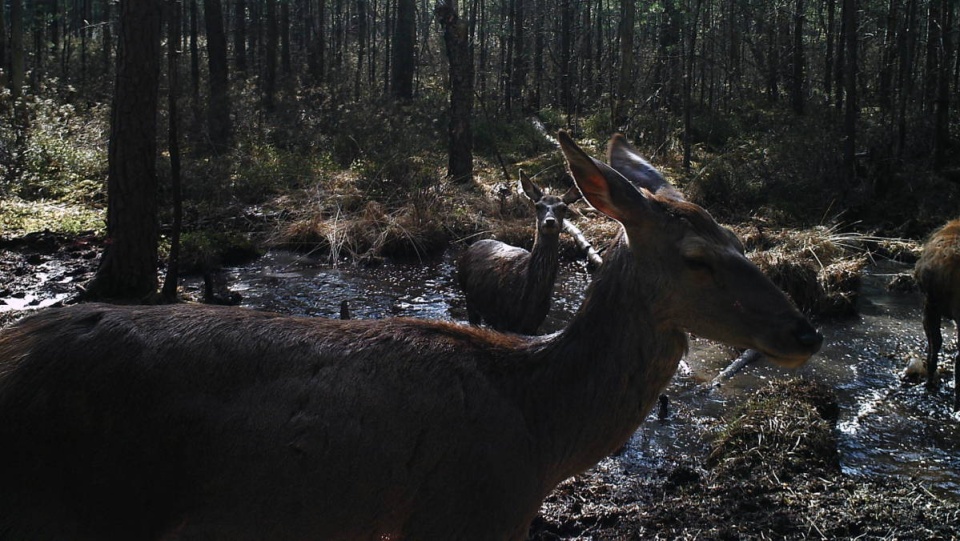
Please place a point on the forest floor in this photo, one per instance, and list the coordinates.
(772, 473)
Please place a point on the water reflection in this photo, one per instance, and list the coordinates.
(885, 428)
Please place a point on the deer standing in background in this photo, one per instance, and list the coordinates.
(188, 422)
(509, 287)
(938, 275)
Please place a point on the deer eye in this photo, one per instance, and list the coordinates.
(698, 263)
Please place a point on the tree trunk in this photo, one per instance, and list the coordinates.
(240, 36)
(285, 38)
(169, 291)
(4, 64)
(932, 61)
(538, 47)
(218, 113)
(361, 20)
(16, 49)
(625, 81)
(851, 71)
(404, 42)
(885, 78)
(460, 55)
(828, 63)
(128, 267)
(566, 54)
(797, 89)
(270, 58)
(519, 62)
(907, 44)
(315, 61)
(107, 35)
(941, 133)
(841, 58)
(690, 43)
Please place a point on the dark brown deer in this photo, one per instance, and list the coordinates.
(509, 287)
(938, 275)
(216, 423)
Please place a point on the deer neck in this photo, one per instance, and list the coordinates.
(600, 377)
(542, 265)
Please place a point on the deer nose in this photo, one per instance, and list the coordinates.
(809, 337)
(550, 221)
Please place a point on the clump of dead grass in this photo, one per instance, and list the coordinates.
(785, 430)
(820, 268)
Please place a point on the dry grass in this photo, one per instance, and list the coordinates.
(820, 268)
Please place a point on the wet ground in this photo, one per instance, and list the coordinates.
(898, 447)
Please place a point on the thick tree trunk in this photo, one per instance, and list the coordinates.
(404, 43)
(218, 113)
(128, 267)
(270, 57)
(460, 55)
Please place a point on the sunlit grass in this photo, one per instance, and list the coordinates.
(19, 217)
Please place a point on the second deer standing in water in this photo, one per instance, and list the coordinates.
(508, 287)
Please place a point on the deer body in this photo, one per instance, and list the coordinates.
(938, 275)
(507, 286)
(214, 423)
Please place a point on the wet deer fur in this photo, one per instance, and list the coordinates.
(200, 422)
(507, 286)
(938, 275)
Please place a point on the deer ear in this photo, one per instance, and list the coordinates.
(605, 189)
(529, 189)
(572, 195)
(627, 161)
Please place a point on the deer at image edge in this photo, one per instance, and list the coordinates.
(220, 423)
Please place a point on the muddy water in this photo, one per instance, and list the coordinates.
(885, 427)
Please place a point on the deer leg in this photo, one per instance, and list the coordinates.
(931, 327)
(956, 374)
(473, 315)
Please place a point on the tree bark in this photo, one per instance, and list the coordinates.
(240, 36)
(797, 88)
(128, 267)
(168, 292)
(270, 57)
(851, 71)
(460, 55)
(941, 133)
(404, 42)
(218, 112)
(16, 49)
(625, 82)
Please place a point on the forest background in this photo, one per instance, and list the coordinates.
(371, 128)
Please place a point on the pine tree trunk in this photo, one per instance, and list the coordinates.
(168, 292)
(797, 89)
(240, 36)
(625, 82)
(404, 43)
(270, 57)
(128, 267)
(460, 55)
(218, 112)
(851, 71)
